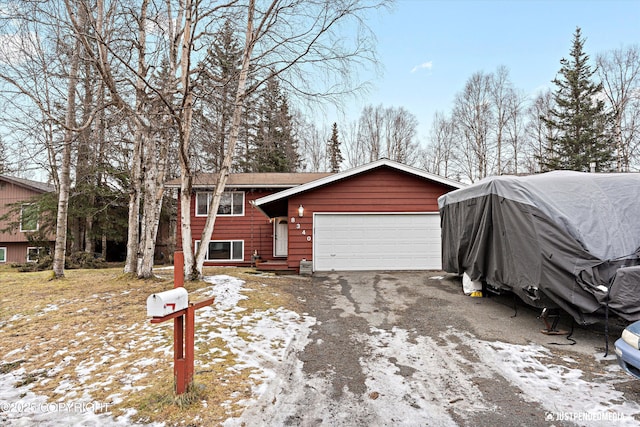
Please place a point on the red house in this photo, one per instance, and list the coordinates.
(15, 244)
(379, 216)
(242, 234)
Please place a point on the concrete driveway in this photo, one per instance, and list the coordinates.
(409, 348)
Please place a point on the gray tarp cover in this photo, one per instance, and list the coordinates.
(554, 239)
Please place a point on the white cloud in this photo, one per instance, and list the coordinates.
(425, 65)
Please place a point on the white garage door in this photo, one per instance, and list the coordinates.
(402, 241)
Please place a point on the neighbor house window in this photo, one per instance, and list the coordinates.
(231, 203)
(28, 217)
(221, 250)
(33, 253)
(3, 254)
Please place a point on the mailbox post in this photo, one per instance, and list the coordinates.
(174, 304)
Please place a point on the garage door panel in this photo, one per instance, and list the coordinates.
(376, 242)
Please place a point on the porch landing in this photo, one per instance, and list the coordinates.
(275, 266)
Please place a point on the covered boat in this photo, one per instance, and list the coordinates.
(558, 239)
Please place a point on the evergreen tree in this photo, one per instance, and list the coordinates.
(275, 148)
(578, 121)
(217, 93)
(335, 155)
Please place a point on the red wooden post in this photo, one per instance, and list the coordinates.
(189, 344)
(178, 269)
(183, 330)
(178, 328)
(179, 364)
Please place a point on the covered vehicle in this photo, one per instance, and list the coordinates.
(558, 239)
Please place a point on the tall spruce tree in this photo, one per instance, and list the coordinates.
(275, 148)
(335, 155)
(578, 121)
(219, 81)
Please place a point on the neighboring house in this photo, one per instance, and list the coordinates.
(242, 234)
(379, 216)
(15, 246)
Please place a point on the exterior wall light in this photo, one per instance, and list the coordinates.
(301, 210)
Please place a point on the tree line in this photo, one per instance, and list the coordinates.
(588, 121)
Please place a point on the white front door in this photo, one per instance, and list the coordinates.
(280, 237)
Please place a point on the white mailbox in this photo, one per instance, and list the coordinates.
(167, 302)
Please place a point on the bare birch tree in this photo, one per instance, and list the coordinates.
(500, 92)
(537, 131)
(619, 71)
(314, 148)
(440, 151)
(473, 113)
(355, 151)
(515, 130)
(387, 132)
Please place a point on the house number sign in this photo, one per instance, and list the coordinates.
(303, 232)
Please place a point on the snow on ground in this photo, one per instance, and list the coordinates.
(259, 341)
(273, 334)
(409, 377)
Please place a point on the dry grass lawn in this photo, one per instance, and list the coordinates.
(88, 335)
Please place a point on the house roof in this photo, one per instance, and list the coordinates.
(253, 180)
(27, 183)
(356, 171)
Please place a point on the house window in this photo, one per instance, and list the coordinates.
(231, 203)
(28, 217)
(3, 254)
(33, 253)
(221, 250)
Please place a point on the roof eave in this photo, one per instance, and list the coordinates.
(249, 186)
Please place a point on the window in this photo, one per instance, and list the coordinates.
(3, 254)
(28, 217)
(221, 250)
(33, 253)
(231, 203)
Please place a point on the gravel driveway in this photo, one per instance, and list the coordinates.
(409, 348)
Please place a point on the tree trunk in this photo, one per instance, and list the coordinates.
(149, 211)
(104, 246)
(65, 168)
(155, 171)
(223, 174)
(133, 236)
(136, 179)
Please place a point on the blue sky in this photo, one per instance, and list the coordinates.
(429, 49)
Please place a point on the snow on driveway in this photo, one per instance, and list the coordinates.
(415, 379)
(441, 381)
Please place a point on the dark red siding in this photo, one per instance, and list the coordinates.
(253, 227)
(16, 242)
(379, 190)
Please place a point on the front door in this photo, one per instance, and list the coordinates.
(280, 237)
